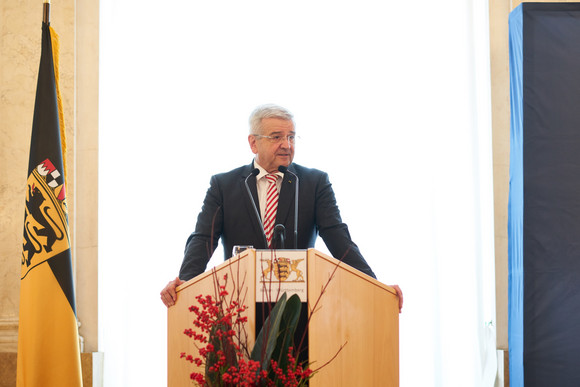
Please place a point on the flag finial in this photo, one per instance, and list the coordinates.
(46, 12)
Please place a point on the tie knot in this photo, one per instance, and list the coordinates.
(272, 178)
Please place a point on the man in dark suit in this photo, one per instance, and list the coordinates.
(230, 213)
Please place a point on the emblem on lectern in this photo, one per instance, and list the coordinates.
(282, 268)
(280, 271)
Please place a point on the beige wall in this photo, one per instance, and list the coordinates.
(499, 12)
(76, 22)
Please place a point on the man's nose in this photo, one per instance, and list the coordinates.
(286, 143)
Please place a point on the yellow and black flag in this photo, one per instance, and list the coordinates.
(48, 342)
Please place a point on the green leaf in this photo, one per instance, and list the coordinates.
(268, 336)
(288, 327)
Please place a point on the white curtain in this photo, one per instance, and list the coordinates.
(391, 98)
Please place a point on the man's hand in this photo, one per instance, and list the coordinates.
(400, 294)
(168, 294)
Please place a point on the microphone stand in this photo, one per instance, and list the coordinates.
(254, 173)
(284, 169)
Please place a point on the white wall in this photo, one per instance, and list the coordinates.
(392, 95)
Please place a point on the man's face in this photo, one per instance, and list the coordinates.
(270, 154)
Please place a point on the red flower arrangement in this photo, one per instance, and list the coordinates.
(221, 340)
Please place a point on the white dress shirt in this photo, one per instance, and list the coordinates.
(262, 186)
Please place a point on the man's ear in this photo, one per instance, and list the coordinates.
(253, 146)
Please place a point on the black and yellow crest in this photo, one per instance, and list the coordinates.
(45, 217)
(282, 268)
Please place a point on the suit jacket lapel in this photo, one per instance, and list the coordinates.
(286, 199)
(249, 206)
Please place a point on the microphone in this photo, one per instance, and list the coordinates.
(284, 169)
(280, 233)
(256, 172)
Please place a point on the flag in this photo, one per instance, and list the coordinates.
(48, 341)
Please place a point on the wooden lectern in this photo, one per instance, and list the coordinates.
(355, 309)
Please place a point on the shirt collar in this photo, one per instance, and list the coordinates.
(263, 172)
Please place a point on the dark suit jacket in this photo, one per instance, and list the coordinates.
(228, 213)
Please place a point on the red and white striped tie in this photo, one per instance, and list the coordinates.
(271, 207)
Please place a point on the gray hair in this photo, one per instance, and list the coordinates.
(267, 111)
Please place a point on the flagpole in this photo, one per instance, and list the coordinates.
(46, 12)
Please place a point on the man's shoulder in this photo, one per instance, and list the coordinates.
(235, 173)
(303, 171)
(245, 170)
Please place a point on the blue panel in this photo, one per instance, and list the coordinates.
(516, 203)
